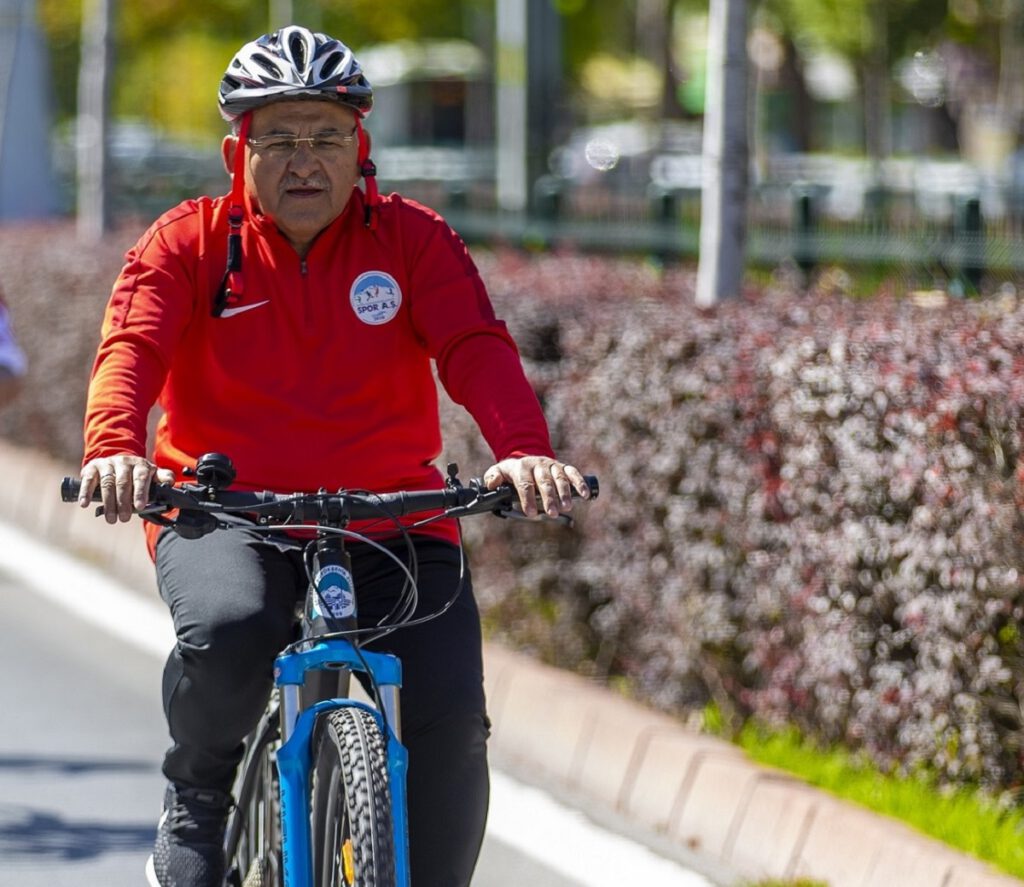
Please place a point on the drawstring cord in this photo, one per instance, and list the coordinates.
(232, 286)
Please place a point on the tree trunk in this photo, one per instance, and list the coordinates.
(724, 187)
(800, 113)
(875, 89)
(1010, 98)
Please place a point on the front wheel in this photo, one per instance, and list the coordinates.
(353, 834)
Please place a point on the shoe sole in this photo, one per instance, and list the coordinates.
(151, 873)
(151, 878)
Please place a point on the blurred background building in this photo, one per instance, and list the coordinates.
(27, 185)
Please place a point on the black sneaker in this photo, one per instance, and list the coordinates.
(189, 849)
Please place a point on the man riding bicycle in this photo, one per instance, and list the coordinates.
(292, 324)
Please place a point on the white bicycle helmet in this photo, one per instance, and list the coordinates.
(293, 62)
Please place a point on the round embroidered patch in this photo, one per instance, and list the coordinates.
(375, 297)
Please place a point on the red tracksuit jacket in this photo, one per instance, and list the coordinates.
(321, 375)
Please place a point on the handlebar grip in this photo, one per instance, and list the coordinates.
(70, 488)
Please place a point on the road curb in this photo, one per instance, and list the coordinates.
(695, 791)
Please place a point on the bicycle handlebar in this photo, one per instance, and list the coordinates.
(453, 500)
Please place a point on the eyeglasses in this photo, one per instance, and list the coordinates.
(324, 144)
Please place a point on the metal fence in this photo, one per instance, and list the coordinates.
(932, 220)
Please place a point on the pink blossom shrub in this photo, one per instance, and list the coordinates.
(810, 509)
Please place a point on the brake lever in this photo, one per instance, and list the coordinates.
(510, 512)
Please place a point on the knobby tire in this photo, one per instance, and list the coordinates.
(353, 834)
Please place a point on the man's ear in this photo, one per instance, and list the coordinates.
(227, 153)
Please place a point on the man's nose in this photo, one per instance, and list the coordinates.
(303, 159)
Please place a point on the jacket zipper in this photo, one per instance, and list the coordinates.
(308, 308)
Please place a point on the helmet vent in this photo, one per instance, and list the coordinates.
(267, 65)
(330, 65)
(297, 48)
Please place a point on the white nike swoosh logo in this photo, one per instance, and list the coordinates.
(231, 312)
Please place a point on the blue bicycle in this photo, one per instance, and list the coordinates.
(320, 800)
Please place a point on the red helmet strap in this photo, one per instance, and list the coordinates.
(368, 171)
(232, 285)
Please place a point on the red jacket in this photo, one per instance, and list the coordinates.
(321, 375)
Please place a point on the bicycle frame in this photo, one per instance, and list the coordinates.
(325, 647)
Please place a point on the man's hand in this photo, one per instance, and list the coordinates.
(533, 475)
(123, 482)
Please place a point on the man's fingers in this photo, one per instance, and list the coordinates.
(493, 478)
(576, 478)
(123, 483)
(547, 488)
(108, 493)
(564, 486)
(90, 480)
(534, 476)
(142, 473)
(527, 495)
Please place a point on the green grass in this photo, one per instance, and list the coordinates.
(966, 819)
(800, 882)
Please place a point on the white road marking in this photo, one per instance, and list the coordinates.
(524, 818)
(566, 842)
(86, 591)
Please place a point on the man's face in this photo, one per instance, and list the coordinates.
(302, 190)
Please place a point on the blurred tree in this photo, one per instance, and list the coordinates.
(872, 35)
(171, 53)
(1010, 99)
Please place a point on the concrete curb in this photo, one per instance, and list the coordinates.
(697, 792)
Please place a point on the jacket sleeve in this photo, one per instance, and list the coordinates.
(149, 308)
(477, 360)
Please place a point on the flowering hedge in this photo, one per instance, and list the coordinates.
(809, 510)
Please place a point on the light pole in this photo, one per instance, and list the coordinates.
(280, 14)
(725, 152)
(92, 123)
(511, 129)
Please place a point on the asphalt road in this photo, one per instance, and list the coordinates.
(80, 736)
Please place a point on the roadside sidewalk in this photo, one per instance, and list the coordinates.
(692, 791)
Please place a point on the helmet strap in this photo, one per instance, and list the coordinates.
(231, 286)
(368, 170)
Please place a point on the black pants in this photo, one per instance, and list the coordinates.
(232, 596)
